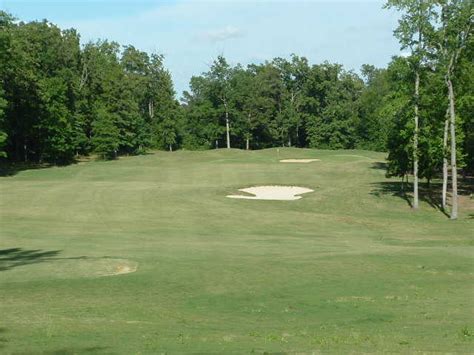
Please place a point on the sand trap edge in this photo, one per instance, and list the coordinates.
(301, 161)
(274, 193)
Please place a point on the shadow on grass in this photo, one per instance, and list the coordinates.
(391, 188)
(88, 350)
(3, 340)
(466, 185)
(14, 257)
(379, 165)
(430, 194)
(11, 169)
(66, 351)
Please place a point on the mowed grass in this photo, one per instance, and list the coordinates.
(349, 267)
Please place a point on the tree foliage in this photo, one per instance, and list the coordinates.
(58, 100)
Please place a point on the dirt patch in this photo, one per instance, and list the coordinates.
(71, 268)
(304, 161)
(281, 193)
(122, 267)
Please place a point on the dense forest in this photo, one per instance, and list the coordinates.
(60, 99)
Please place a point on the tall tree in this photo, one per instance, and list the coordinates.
(203, 128)
(6, 22)
(220, 76)
(413, 32)
(465, 104)
(294, 74)
(169, 131)
(456, 26)
(3, 134)
(162, 105)
(250, 104)
(398, 110)
(374, 122)
(106, 135)
(270, 90)
(40, 87)
(332, 107)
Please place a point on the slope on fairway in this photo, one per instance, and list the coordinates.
(349, 267)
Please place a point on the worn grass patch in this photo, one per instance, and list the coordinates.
(69, 268)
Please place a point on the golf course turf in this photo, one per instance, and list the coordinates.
(146, 255)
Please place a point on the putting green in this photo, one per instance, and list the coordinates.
(347, 268)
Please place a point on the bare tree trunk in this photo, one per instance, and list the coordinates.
(297, 135)
(249, 134)
(445, 161)
(84, 76)
(171, 148)
(293, 106)
(415, 143)
(227, 128)
(227, 125)
(151, 109)
(454, 172)
(462, 38)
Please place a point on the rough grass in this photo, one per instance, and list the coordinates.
(348, 267)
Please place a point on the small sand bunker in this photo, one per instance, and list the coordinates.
(305, 161)
(282, 193)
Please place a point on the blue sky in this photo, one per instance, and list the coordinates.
(191, 33)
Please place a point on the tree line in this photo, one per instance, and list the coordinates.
(59, 99)
(278, 103)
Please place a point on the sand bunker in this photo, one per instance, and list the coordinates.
(282, 193)
(298, 160)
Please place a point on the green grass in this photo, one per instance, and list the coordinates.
(349, 267)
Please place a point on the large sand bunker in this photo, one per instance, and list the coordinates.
(282, 193)
(298, 160)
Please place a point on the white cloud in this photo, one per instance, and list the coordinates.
(221, 34)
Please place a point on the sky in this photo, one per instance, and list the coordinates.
(192, 33)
